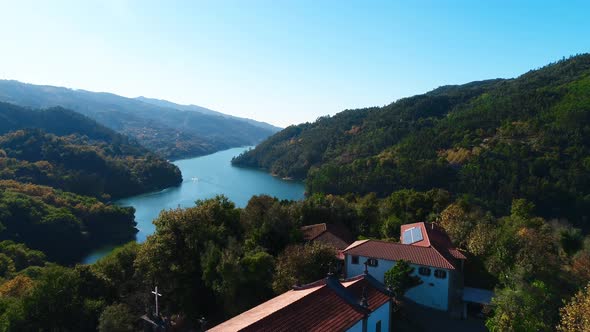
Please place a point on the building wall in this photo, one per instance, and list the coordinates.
(433, 292)
(381, 314)
(358, 327)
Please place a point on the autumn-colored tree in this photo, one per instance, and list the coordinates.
(457, 222)
(575, 315)
(17, 286)
(580, 267)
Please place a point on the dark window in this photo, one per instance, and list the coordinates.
(372, 262)
(440, 274)
(355, 259)
(378, 326)
(424, 271)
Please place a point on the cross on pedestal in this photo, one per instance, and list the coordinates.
(156, 294)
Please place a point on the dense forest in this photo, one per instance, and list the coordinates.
(172, 131)
(63, 225)
(58, 170)
(68, 151)
(213, 261)
(495, 140)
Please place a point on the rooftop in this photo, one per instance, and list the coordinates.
(392, 251)
(423, 244)
(325, 305)
(333, 234)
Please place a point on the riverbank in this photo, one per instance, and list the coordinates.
(216, 176)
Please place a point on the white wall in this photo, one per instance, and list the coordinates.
(433, 292)
(358, 327)
(380, 314)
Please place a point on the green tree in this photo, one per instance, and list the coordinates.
(390, 229)
(182, 256)
(301, 264)
(525, 307)
(117, 318)
(400, 279)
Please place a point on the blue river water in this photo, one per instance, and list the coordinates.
(204, 177)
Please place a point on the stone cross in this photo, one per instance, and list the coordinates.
(156, 294)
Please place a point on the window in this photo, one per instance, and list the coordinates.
(372, 262)
(355, 259)
(378, 326)
(424, 271)
(440, 274)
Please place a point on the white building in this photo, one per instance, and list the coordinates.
(359, 304)
(429, 250)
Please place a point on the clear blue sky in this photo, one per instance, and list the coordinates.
(283, 62)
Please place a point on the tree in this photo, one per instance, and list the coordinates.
(302, 264)
(17, 286)
(6, 266)
(117, 318)
(523, 307)
(391, 228)
(458, 222)
(62, 300)
(182, 256)
(580, 267)
(400, 279)
(575, 315)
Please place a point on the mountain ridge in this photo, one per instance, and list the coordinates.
(495, 140)
(170, 132)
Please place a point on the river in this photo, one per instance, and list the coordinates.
(204, 177)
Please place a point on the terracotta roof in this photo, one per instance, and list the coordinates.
(335, 235)
(426, 256)
(434, 236)
(325, 305)
(354, 244)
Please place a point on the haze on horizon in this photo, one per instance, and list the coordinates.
(283, 63)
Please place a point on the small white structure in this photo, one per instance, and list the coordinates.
(429, 250)
(359, 304)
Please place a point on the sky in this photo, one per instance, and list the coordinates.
(283, 62)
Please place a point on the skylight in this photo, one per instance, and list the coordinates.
(412, 235)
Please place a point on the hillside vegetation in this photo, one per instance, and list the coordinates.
(66, 150)
(494, 140)
(57, 170)
(172, 131)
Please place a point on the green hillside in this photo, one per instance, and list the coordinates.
(66, 150)
(171, 130)
(495, 140)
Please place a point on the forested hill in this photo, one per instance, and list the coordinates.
(527, 137)
(173, 131)
(68, 151)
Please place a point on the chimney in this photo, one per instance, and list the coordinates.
(364, 301)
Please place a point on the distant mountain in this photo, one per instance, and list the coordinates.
(195, 108)
(66, 150)
(173, 131)
(494, 141)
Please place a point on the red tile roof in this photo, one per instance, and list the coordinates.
(325, 305)
(392, 251)
(436, 237)
(335, 235)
